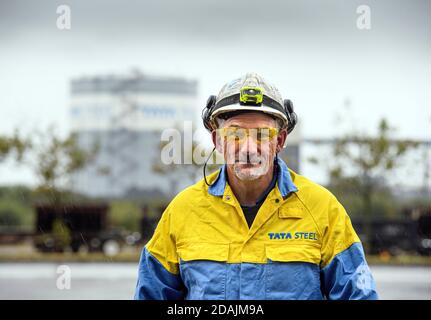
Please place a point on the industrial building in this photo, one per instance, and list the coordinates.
(124, 115)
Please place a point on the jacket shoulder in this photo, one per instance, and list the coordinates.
(318, 201)
(309, 191)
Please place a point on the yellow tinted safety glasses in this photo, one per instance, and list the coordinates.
(235, 134)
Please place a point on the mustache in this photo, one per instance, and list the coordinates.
(235, 155)
(249, 158)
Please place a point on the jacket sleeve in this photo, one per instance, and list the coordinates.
(345, 273)
(158, 275)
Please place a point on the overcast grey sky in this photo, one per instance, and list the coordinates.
(312, 50)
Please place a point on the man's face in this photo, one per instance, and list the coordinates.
(249, 142)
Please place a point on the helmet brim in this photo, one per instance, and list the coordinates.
(238, 107)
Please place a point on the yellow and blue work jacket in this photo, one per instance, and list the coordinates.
(301, 245)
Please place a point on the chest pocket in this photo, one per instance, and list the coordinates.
(293, 271)
(287, 252)
(295, 212)
(203, 251)
(203, 268)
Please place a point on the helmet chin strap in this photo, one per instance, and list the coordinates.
(205, 165)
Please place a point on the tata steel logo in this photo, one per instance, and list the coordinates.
(292, 236)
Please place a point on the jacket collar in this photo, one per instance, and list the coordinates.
(284, 181)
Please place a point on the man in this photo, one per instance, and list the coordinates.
(254, 229)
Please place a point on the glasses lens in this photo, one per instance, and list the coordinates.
(259, 135)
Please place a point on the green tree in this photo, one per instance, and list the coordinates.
(361, 164)
(13, 210)
(62, 234)
(15, 213)
(54, 161)
(14, 144)
(125, 214)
